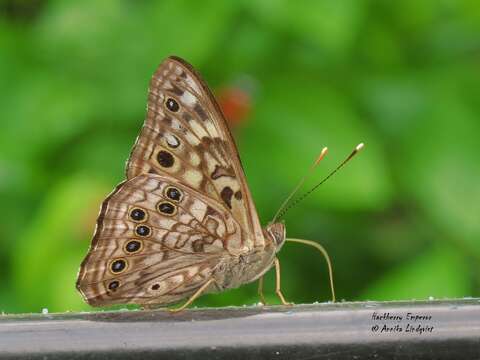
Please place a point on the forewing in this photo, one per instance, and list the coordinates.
(156, 242)
(186, 136)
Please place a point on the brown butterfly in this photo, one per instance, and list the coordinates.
(184, 222)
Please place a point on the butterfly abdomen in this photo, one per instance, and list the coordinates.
(235, 271)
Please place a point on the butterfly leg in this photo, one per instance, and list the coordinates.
(278, 290)
(193, 297)
(260, 291)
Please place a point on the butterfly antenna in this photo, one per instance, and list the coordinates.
(325, 255)
(302, 180)
(349, 157)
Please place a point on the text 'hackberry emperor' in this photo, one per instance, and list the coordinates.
(183, 223)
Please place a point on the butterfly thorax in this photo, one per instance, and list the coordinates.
(275, 233)
(246, 268)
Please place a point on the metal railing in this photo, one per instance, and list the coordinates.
(441, 329)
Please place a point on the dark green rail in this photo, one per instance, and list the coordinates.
(368, 330)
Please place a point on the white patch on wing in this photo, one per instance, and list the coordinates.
(183, 228)
(218, 243)
(170, 283)
(185, 218)
(194, 159)
(211, 128)
(193, 177)
(210, 161)
(171, 140)
(167, 223)
(171, 239)
(198, 210)
(149, 185)
(198, 129)
(188, 99)
(178, 70)
(192, 139)
(167, 85)
(193, 84)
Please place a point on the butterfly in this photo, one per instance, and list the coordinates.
(183, 223)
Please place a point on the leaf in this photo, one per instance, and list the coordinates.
(439, 272)
(299, 122)
(328, 24)
(60, 230)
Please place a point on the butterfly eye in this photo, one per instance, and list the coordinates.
(118, 266)
(165, 159)
(113, 285)
(173, 194)
(155, 286)
(137, 214)
(167, 208)
(142, 230)
(172, 105)
(133, 246)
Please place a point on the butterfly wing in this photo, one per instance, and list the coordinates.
(186, 136)
(185, 207)
(156, 242)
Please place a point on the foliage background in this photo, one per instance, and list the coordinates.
(400, 222)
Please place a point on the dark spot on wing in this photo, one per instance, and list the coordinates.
(238, 195)
(167, 120)
(197, 245)
(172, 105)
(166, 208)
(176, 90)
(142, 230)
(165, 159)
(226, 195)
(137, 214)
(133, 246)
(187, 117)
(118, 265)
(173, 193)
(113, 285)
(210, 211)
(199, 110)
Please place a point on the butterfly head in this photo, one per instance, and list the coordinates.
(276, 234)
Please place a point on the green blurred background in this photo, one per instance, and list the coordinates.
(401, 221)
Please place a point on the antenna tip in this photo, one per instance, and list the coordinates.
(359, 147)
(321, 156)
